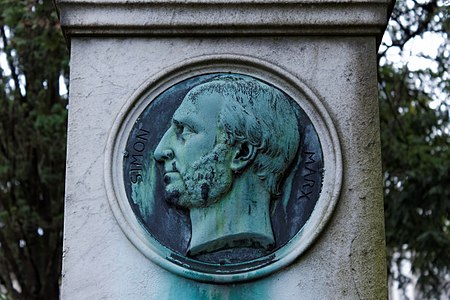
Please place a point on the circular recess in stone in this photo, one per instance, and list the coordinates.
(226, 172)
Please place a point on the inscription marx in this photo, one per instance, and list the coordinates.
(308, 176)
(137, 152)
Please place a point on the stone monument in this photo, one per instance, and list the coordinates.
(223, 150)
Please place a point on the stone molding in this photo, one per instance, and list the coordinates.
(223, 17)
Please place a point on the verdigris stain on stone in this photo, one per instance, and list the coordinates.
(223, 169)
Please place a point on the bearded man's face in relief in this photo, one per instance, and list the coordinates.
(194, 153)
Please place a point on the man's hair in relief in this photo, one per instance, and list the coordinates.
(261, 115)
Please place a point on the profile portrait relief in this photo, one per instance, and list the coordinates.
(223, 168)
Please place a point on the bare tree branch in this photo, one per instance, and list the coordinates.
(10, 60)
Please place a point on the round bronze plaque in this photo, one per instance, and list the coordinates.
(220, 173)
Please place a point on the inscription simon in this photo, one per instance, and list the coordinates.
(137, 155)
(308, 185)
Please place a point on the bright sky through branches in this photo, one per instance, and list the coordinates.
(420, 53)
(6, 71)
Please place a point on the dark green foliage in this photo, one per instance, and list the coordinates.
(32, 150)
(415, 147)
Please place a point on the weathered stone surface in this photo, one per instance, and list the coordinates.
(222, 17)
(347, 259)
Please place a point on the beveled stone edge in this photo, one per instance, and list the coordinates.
(222, 18)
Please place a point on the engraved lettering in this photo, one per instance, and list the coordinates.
(305, 195)
(143, 134)
(139, 146)
(135, 161)
(136, 165)
(309, 183)
(136, 177)
(310, 159)
(311, 171)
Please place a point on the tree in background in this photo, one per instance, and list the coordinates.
(414, 108)
(32, 149)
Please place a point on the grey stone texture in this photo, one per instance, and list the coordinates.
(329, 45)
(230, 17)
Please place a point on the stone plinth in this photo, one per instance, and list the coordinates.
(322, 53)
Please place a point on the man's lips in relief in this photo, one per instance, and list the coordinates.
(170, 172)
(168, 175)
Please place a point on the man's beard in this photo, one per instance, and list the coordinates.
(205, 182)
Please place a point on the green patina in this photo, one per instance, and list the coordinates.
(225, 156)
(202, 291)
(216, 176)
(144, 189)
